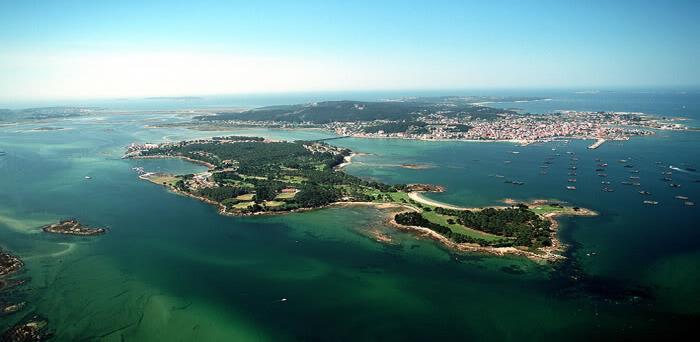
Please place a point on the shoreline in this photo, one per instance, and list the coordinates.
(418, 197)
(10, 264)
(520, 142)
(210, 166)
(596, 144)
(546, 254)
(552, 253)
(347, 160)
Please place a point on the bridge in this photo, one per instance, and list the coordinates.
(332, 138)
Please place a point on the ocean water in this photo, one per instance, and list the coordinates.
(171, 268)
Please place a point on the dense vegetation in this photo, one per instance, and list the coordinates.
(351, 111)
(416, 219)
(252, 157)
(250, 174)
(519, 225)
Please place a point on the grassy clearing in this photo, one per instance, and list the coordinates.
(458, 228)
(548, 209)
(163, 179)
(254, 177)
(285, 195)
(293, 179)
(273, 203)
(243, 205)
(246, 197)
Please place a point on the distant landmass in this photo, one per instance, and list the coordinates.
(446, 118)
(44, 113)
(405, 109)
(177, 98)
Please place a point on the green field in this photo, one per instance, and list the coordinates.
(458, 228)
(163, 179)
(273, 203)
(548, 209)
(246, 197)
(285, 195)
(243, 205)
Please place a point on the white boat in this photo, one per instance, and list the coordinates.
(88, 177)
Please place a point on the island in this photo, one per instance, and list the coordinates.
(42, 113)
(9, 264)
(12, 308)
(256, 176)
(72, 227)
(30, 329)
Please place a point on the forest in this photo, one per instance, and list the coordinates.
(356, 111)
(251, 174)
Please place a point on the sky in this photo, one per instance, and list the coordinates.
(113, 49)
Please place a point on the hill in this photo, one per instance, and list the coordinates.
(351, 111)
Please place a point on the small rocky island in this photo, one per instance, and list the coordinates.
(32, 329)
(72, 227)
(9, 264)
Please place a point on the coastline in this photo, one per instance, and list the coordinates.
(545, 254)
(548, 253)
(418, 197)
(552, 253)
(172, 157)
(347, 160)
(10, 264)
(596, 144)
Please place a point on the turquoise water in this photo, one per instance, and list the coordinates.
(170, 268)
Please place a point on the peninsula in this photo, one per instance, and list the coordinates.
(254, 176)
(445, 118)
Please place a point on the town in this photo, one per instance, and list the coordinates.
(504, 126)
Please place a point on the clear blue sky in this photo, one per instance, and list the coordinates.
(143, 48)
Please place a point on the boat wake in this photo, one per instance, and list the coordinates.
(681, 169)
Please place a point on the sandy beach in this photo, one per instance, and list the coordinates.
(418, 197)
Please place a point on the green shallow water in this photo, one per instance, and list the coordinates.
(171, 268)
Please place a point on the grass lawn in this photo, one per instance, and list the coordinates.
(246, 197)
(286, 195)
(293, 179)
(254, 177)
(458, 228)
(548, 209)
(392, 196)
(273, 203)
(398, 196)
(163, 179)
(243, 205)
